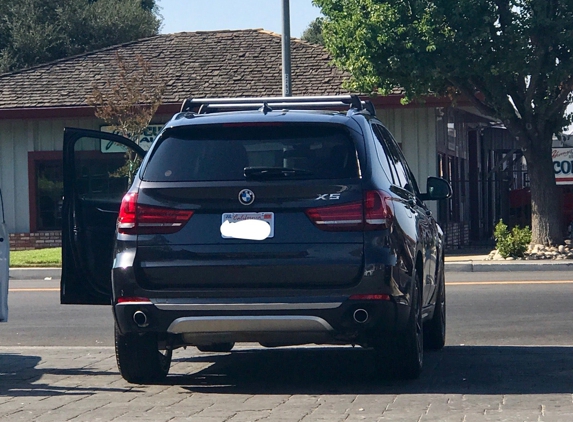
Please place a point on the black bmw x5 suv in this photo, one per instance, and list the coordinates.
(281, 221)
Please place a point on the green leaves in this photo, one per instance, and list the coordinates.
(313, 34)
(488, 47)
(511, 243)
(38, 31)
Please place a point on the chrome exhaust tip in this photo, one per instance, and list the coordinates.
(140, 319)
(360, 316)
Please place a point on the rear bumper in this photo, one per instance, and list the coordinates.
(198, 322)
(245, 328)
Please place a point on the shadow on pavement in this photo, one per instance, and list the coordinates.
(21, 376)
(454, 370)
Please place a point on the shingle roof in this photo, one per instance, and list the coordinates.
(194, 64)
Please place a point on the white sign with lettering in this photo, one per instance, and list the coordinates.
(563, 165)
(145, 139)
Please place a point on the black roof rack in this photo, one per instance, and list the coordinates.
(206, 105)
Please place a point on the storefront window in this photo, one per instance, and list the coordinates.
(49, 192)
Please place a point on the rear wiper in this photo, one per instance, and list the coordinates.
(274, 172)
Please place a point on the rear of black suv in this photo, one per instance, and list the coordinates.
(278, 227)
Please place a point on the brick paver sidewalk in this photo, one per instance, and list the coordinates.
(304, 384)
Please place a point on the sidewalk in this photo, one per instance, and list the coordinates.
(35, 273)
(475, 261)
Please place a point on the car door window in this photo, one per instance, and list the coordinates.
(381, 151)
(103, 175)
(405, 177)
(395, 163)
(99, 168)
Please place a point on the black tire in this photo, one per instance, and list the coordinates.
(402, 356)
(217, 347)
(139, 359)
(435, 329)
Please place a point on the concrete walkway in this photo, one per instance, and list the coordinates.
(35, 273)
(474, 261)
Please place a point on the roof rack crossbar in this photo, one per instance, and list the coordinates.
(276, 106)
(205, 105)
(317, 101)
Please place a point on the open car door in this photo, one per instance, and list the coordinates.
(4, 264)
(98, 170)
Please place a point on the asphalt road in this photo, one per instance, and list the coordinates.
(483, 309)
(510, 308)
(36, 318)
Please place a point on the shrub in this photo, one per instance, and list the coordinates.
(511, 243)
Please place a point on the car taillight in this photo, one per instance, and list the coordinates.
(126, 220)
(373, 213)
(377, 210)
(370, 297)
(137, 218)
(345, 217)
(134, 299)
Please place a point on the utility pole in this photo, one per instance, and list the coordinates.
(287, 88)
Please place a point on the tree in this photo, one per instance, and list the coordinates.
(513, 59)
(313, 34)
(37, 31)
(128, 102)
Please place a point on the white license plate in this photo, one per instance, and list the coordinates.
(248, 225)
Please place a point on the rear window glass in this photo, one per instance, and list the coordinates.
(223, 152)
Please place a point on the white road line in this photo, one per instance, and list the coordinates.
(474, 283)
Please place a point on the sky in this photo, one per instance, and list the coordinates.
(210, 15)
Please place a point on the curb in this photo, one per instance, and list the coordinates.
(457, 266)
(35, 273)
(489, 266)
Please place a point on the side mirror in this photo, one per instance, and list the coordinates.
(437, 188)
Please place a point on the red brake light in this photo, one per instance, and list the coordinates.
(136, 218)
(373, 213)
(347, 217)
(370, 297)
(135, 299)
(126, 221)
(377, 210)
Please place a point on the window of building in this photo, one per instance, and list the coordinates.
(49, 193)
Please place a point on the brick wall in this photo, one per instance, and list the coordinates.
(38, 240)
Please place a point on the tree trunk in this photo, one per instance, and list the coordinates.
(546, 208)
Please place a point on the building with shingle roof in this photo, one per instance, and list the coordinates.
(207, 64)
(38, 102)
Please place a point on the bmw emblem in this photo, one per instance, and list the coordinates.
(246, 197)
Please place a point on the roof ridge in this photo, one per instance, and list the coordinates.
(220, 30)
(269, 32)
(276, 34)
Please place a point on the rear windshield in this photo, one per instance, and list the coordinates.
(236, 152)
